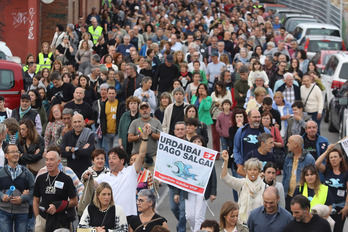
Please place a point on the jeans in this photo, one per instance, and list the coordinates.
(109, 141)
(20, 221)
(178, 209)
(225, 143)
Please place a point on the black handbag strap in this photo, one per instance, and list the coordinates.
(308, 96)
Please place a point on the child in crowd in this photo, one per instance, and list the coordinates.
(223, 123)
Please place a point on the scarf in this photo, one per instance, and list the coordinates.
(250, 197)
(22, 113)
(184, 74)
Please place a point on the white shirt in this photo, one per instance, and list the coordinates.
(124, 187)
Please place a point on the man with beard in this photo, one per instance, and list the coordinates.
(135, 135)
(245, 139)
(303, 219)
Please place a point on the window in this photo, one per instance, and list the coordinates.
(343, 71)
(298, 33)
(323, 31)
(331, 66)
(7, 80)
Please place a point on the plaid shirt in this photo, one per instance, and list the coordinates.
(14, 172)
(289, 94)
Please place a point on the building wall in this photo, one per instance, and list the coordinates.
(26, 24)
(19, 26)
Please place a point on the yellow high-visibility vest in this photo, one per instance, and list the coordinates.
(96, 33)
(45, 64)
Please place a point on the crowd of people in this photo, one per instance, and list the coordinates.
(80, 150)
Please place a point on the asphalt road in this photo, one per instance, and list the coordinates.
(224, 192)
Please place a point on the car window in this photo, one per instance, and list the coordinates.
(326, 58)
(320, 31)
(316, 45)
(298, 33)
(331, 66)
(7, 80)
(343, 71)
(293, 23)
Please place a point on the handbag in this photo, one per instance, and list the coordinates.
(35, 167)
(214, 111)
(63, 58)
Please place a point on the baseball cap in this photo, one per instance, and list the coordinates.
(214, 54)
(170, 58)
(144, 104)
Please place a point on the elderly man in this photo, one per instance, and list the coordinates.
(294, 162)
(14, 205)
(95, 30)
(166, 73)
(159, 36)
(124, 48)
(281, 48)
(54, 197)
(270, 216)
(303, 219)
(176, 45)
(135, 136)
(131, 83)
(77, 145)
(265, 144)
(81, 107)
(313, 142)
(196, 57)
(289, 88)
(221, 50)
(258, 38)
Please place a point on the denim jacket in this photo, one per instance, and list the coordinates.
(305, 159)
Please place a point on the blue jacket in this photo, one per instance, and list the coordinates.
(305, 159)
(322, 144)
(143, 50)
(286, 110)
(238, 142)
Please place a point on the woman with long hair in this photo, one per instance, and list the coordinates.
(178, 58)
(29, 59)
(270, 179)
(45, 102)
(203, 102)
(65, 49)
(45, 77)
(30, 144)
(202, 129)
(57, 66)
(54, 127)
(267, 122)
(336, 178)
(118, 58)
(295, 70)
(302, 57)
(311, 187)
(83, 57)
(229, 218)
(164, 101)
(90, 94)
(36, 103)
(45, 58)
(102, 214)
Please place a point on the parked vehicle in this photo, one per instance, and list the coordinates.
(6, 54)
(11, 83)
(273, 7)
(338, 114)
(314, 43)
(333, 77)
(322, 57)
(292, 23)
(304, 29)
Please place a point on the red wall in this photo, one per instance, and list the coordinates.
(19, 26)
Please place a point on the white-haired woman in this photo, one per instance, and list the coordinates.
(147, 219)
(249, 189)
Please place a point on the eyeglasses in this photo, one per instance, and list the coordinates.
(14, 152)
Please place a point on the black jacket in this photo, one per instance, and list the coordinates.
(296, 89)
(121, 108)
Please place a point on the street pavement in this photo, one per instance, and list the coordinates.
(224, 193)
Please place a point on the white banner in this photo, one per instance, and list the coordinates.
(344, 143)
(183, 164)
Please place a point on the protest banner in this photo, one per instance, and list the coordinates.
(344, 143)
(183, 164)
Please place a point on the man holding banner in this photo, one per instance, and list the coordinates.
(185, 167)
